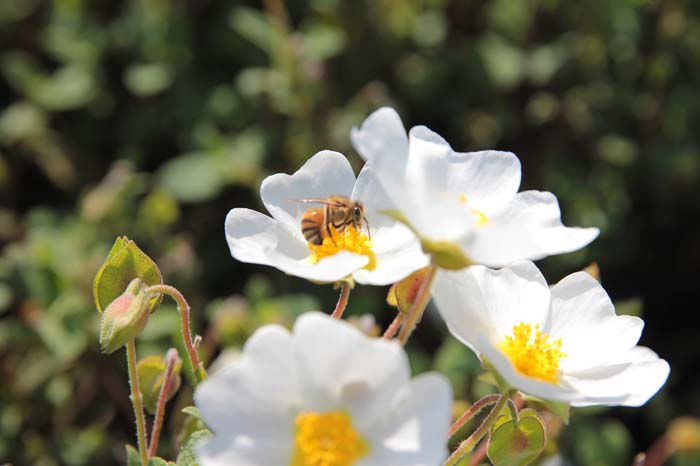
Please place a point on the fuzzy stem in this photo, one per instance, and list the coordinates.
(171, 358)
(472, 411)
(394, 326)
(184, 309)
(136, 400)
(418, 307)
(342, 300)
(468, 445)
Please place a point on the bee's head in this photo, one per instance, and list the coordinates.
(358, 212)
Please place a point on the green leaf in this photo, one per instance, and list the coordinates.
(193, 177)
(517, 442)
(193, 411)
(156, 461)
(186, 457)
(124, 262)
(132, 456)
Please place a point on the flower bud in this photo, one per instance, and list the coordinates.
(152, 371)
(403, 294)
(125, 317)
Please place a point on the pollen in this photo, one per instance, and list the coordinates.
(327, 439)
(480, 219)
(533, 355)
(350, 239)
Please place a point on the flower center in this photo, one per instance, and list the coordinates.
(327, 439)
(350, 239)
(533, 355)
(480, 218)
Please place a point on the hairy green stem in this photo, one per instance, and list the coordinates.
(394, 326)
(183, 307)
(170, 358)
(136, 400)
(342, 300)
(418, 307)
(472, 411)
(470, 442)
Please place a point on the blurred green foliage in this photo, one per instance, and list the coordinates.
(152, 118)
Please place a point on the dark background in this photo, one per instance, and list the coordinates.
(153, 119)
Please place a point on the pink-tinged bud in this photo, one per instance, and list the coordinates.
(125, 317)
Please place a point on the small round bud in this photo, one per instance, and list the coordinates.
(125, 317)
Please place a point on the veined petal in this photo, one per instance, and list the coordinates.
(256, 238)
(584, 317)
(325, 174)
(630, 382)
(529, 227)
(363, 383)
(382, 135)
(420, 419)
(427, 164)
(487, 180)
(370, 192)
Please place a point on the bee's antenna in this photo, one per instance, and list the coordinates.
(369, 233)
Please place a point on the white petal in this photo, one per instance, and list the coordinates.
(630, 382)
(325, 174)
(258, 239)
(489, 179)
(381, 135)
(370, 192)
(529, 227)
(414, 432)
(259, 395)
(427, 165)
(478, 300)
(328, 270)
(584, 318)
(341, 368)
(528, 385)
(396, 262)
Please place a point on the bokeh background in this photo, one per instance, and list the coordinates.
(152, 119)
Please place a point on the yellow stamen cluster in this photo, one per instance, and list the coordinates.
(533, 355)
(480, 218)
(327, 439)
(350, 239)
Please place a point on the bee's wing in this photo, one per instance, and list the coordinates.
(317, 200)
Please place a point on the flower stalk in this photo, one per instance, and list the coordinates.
(421, 301)
(394, 326)
(470, 442)
(171, 359)
(342, 300)
(137, 401)
(473, 411)
(198, 373)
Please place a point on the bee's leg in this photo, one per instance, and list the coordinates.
(369, 233)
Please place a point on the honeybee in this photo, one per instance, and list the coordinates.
(338, 212)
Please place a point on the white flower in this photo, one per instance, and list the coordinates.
(469, 200)
(564, 344)
(389, 254)
(324, 395)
